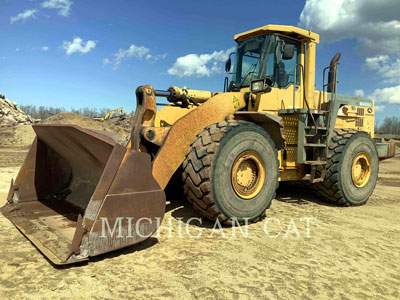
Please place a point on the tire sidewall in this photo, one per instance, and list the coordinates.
(238, 139)
(360, 142)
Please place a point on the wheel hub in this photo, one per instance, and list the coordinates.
(361, 169)
(248, 174)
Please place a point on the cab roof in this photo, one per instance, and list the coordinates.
(290, 31)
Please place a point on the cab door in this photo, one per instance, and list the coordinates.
(288, 80)
(285, 73)
(268, 102)
(288, 75)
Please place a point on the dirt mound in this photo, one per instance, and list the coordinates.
(120, 130)
(21, 136)
(124, 121)
(11, 114)
(72, 118)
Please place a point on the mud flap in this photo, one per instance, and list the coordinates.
(81, 194)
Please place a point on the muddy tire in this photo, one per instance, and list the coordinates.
(352, 169)
(219, 150)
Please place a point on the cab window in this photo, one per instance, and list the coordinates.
(249, 62)
(286, 67)
(268, 62)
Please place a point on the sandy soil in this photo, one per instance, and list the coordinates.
(351, 253)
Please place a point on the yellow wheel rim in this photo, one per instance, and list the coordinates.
(248, 174)
(361, 169)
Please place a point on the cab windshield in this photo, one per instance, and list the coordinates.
(254, 59)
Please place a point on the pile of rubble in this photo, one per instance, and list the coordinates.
(10, 114)
(122, 121)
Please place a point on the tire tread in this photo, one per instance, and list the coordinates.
(197, 168)
(330, 189)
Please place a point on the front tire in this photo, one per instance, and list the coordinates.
(352, 169)
(231, 172)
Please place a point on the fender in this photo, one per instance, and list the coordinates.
(271, 123)
(184, 130)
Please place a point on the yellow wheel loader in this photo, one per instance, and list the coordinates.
(80, 194)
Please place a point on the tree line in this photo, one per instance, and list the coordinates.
(43, 112)
(388, 126)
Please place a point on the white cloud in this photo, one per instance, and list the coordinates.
(200, 65)
(63, 6)
(379, 108)
(17, 49)
(387, 94)
(29, 13)
(78, 45)
(133, 51)
(386, 67)
(374, 63)
(138, 52)
(359, 93)
(44, 48)
(374, 24)
(155, 58)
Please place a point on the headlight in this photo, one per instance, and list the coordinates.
(257, 86)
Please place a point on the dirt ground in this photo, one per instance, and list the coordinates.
(348, 253)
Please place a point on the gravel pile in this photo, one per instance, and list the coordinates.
(10, 114)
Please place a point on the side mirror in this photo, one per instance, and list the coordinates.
(261, 85)
(287, 51)
(228, 64)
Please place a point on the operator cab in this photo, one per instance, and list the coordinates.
(266, 56)
(269, 56)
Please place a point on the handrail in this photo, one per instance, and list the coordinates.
(294, 87)
(226, 83)
(323, 83)
(333, 99)
(305, 100)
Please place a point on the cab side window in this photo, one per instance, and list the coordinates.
(286, 67)
(269, 61)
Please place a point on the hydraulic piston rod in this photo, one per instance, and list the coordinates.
(174, 94)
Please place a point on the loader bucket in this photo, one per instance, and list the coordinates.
(80, 194)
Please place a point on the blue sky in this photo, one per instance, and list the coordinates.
(70, 53)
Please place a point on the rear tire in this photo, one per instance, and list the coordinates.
(352, 169)
(231, 172)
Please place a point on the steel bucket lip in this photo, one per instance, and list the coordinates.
(105, 136)
(11, 211)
